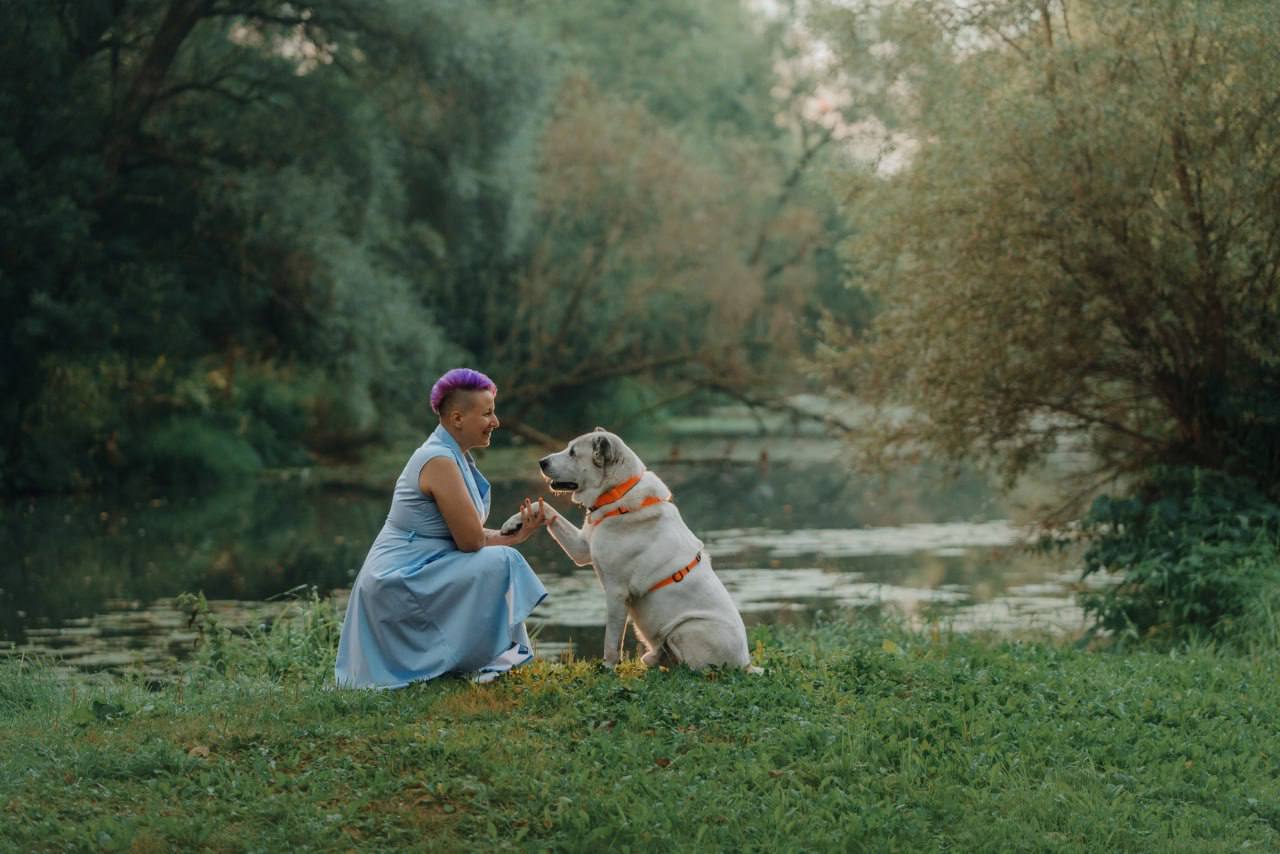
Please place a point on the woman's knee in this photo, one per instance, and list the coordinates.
(508, 553)
(497, 561)
(510, 556)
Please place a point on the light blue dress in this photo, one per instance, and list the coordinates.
(420, 607)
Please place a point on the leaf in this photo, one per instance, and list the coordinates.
(199, 751)
(662, 762)
(890, 647)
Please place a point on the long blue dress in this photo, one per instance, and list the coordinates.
(421, 607)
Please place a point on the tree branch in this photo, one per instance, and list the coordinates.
(179, 20)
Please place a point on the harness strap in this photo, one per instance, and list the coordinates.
(622, 508)
(677, 576)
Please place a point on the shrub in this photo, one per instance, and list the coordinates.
(274, 406)
(1196, 555)
(192, 451)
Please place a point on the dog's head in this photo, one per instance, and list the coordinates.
(589, 465)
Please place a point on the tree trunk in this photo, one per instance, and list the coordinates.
(179, 20)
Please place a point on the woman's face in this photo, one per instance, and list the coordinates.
(475, 419)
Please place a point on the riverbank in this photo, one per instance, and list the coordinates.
(696, 443)
(857, 735)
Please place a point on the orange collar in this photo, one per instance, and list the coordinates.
(617, 492)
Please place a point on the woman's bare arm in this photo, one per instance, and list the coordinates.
(441, 480)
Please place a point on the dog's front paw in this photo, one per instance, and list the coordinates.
(512, 525)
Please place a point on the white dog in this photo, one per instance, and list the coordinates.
(650, 564)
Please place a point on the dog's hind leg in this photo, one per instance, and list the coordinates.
(659, 656)
(703, 643)
(622, 642)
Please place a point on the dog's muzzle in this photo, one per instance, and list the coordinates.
(556, 485)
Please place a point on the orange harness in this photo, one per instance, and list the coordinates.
(622, 489)
(617, 492)
(677, 576)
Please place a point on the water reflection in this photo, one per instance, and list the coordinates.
(96, 582)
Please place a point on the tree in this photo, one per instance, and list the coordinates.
(272, 223)
(1085, 243)
(682, 222)
(234, 213)
(642, 267)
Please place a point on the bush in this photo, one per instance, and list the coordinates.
(190, 451)
(1196, 554)
(276, 408)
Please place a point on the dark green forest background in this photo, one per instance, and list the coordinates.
(239, 234)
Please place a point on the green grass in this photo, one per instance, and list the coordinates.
(857, 737)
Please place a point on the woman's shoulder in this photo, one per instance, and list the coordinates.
(425, 453)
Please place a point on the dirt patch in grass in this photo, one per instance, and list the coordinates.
(477, 702)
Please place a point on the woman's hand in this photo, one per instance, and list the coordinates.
(532, 517)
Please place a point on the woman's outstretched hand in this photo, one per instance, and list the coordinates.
(524, 525)
(534, 516)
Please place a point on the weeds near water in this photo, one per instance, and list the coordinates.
(298, 644)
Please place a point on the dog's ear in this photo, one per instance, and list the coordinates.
(598, 429)
(603, 452)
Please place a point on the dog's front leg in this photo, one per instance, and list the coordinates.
(615, 622)
(572, 540)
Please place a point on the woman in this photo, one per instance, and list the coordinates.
(439, 593)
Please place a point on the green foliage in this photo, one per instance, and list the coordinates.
(354, 197)
(1079, 246)
(707, 67)
(299, 644)
(265, 191)
(856, 737)
(188, 451)
(26, 685)
(1196, 554)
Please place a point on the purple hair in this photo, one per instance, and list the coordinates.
(459, 379)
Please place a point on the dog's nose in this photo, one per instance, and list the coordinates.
(542, 463)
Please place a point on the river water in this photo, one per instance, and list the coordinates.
(94, 583)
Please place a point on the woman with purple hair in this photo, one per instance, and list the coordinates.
(440, 593)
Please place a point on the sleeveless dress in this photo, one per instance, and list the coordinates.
(421, 607)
